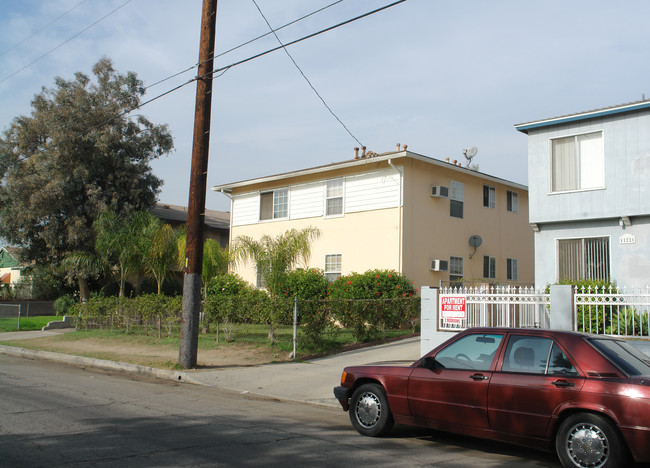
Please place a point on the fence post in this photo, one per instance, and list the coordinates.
(295, 325)
(562, 307)
(18, 317)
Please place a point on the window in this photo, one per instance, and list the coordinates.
(455, 271)
(275, 204)
(456, 198)
(513, 269)
(260, 283)
(333, 266)
(489, 267)
(536, 355)
(334, 197)
(489, 196)
(470, 352)
(583, 259)
(512, 203)
(577, 162)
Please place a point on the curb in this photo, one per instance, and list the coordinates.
(102, 364)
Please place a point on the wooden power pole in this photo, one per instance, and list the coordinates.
(189, 338)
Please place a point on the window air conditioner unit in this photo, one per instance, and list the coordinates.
(438, 265)
(439, 191)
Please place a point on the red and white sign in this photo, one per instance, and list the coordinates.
(452, 308)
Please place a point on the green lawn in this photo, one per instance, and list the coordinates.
(26, 323)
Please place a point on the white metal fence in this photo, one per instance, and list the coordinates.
(612, 311)
(492, 306)
(608, 310)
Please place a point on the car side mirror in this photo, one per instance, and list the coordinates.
(430, 363)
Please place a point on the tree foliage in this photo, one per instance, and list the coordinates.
(78, 154)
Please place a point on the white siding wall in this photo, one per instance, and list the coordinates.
(372, 191)
(306, 201)
(245, 209)
(363, 192)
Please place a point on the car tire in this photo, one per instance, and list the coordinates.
(369, 411)
(590, 440)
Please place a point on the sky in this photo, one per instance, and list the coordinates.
(437, 76)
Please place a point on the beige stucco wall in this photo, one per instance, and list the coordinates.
(365, 240)
(431, 233)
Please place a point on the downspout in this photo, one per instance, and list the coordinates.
(401, 216)
(223, 191)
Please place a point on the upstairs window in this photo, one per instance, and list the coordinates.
(274, 204)
(489, 267)
(456, 199)
(334, 197)
(489, 196)
(577, 162)
(512, 203)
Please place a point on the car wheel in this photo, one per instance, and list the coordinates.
(369, 411)
(590, 440)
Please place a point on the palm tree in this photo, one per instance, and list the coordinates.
(82, 266)
(215, 258)
(159, 246)
(120, 242)
(276, 256)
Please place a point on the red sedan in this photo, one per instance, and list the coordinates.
(587, 396)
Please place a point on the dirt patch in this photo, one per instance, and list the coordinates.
(160, 356)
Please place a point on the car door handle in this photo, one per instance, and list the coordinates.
(478, 377)
(562, 384)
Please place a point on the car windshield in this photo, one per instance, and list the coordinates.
(625, 356)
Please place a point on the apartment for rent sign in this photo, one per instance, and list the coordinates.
(452, 308)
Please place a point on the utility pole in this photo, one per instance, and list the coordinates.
(189, 338)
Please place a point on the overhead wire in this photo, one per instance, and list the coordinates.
(220, 70)
(64, 42)
(305, 77)
(246, 43)
(41, 29)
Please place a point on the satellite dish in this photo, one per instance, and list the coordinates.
(475, 241)
(469, 153)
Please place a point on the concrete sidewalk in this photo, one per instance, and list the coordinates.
(310, 382)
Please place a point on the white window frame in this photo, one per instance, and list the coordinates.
(456, 269)
(334, 190)
(491, 267)
(512, 201)
(585, 248)
(333, 266)
(581, 166)
(457, 195)
(512, 269)
(491, 196)
(279, 208)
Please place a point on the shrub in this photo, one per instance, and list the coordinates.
(371, 302)
(64, 304)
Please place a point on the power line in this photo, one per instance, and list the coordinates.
(220, 70)
(247, 42)
(307, 79)
(64, 42)
(309, 36)
(41, 29)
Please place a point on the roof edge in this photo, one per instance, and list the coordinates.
(591, 114)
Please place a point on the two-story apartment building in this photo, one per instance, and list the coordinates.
(589, 185)
(431, 220)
